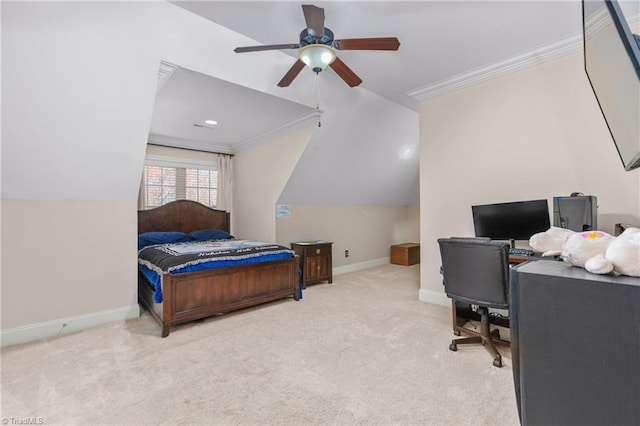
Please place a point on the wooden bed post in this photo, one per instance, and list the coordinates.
(167, 304)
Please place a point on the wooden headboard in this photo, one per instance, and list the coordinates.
(184, 216)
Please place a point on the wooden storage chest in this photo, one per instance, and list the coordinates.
(405, 254)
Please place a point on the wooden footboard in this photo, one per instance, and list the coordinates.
(195, 295)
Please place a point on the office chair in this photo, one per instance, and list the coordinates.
(476, 271)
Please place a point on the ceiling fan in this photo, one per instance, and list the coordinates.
(317, 48)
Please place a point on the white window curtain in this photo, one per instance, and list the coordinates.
(225, 187)
(141, 203)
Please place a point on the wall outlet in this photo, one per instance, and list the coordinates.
(346, 253)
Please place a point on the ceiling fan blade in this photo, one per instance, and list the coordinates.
(345, 73)
(266, 47)
(380, 43)
(291, 74)
(314, 16)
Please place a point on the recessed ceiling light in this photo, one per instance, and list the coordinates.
(407, 152)
(210, 122)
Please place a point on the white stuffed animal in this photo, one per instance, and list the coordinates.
(550, 242)
(582, 246)
(624, 253)
(596, 251)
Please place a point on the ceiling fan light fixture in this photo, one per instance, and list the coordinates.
(317, 56)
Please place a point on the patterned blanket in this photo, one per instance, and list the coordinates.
(153, 261)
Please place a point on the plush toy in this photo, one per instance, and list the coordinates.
(550, 242)
(624, 253)
(596, 251)
(582, 246)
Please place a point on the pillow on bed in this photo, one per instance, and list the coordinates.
(210, 234)
(151, 238)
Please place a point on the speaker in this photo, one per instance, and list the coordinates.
(576, 212)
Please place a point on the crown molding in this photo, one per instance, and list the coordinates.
(634, 23)
(597, 22)
(518, 62)
(312, 117)
(164, 72)
(173, 142)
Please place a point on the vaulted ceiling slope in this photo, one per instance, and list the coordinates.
(439, 39)
(366, 151)
(91, 106)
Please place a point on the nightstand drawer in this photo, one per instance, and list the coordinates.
(317, 250)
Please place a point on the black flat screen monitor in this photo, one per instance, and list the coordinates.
(611, 32)
(511, 221)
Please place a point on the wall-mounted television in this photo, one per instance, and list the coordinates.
(517, 220)
(612, 63)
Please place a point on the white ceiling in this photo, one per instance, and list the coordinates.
(439, 40)
(187, 98)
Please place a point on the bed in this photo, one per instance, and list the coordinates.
(189, 296)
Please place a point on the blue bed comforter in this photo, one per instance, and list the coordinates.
(153, 261)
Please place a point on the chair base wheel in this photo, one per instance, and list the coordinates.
(456, 332)
(498, 362)
(453, 347)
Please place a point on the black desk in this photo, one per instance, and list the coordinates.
(575, 345)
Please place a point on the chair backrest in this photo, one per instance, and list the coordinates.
(476, 270)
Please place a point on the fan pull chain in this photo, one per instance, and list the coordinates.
(318, 102)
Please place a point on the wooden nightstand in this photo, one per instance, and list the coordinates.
(315, 261)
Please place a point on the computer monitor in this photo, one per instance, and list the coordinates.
(517, 220)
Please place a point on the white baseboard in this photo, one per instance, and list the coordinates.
(360, 266)
(31, 332)
(434, 297)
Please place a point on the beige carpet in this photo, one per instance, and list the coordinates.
(363, 350)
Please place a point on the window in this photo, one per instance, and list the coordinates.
(162, 184)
